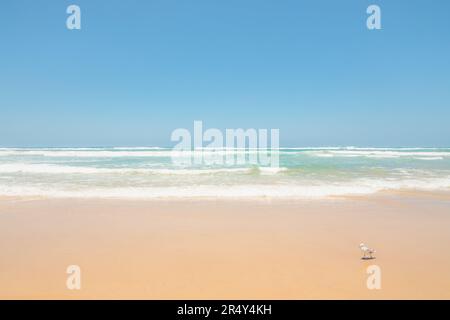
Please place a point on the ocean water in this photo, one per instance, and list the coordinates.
(149, 173)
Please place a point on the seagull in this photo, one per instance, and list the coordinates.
(366, 251)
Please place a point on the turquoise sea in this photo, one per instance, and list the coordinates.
(152, 172)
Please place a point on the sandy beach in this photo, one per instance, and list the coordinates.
(219, 249)
(225, 150)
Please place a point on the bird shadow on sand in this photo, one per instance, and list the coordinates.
(368, 258)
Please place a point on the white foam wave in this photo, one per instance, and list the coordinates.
(379, 154)
(167, 152)
(128, 153)
(429, 158)
(271, 170)
(87, 153)
(360, 187)
(61, 169)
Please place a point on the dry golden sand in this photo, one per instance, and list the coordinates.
(225, 249)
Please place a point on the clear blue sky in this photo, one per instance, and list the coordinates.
(139, 69)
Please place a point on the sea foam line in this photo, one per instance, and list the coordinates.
(360, 187)
(61, 169)
(166, 152)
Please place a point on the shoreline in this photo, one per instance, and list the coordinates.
(436, 194)
(223, 249)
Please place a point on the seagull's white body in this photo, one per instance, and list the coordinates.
(367, 252)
